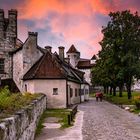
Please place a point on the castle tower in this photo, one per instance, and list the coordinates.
(8, 37)
(73, 55)
(1, 24)
(11, 31)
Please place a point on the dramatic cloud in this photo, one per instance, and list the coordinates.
(66, 22)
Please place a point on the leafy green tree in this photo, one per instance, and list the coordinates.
(122, 37)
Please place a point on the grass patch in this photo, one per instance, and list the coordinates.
(62, 114)
(92, 94)
(136, 111)
(122, 100)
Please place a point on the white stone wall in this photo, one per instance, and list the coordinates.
(85, 95)
(74, 58)
(46, 87)
(22, 125)
(31, 53)
(87, 75)
(74, 99)
(24, 59)
(18, 69)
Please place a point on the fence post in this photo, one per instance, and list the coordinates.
(69, 119)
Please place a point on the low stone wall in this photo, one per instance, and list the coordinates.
(22, 125)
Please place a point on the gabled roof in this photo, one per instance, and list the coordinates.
(94, 57)
(45, 67)
(50, 66)
(72, 49)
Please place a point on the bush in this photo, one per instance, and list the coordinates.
(137, 101)
(11, 102)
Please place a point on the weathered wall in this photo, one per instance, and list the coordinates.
(74, 99)
(18, 69)
(46, 87)
(22, 125)
(25, 58)
(74, 58)
(8, 36)
(85, 94)
(87, 75)
(31, 53)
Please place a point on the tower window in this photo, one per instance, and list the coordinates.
(1, 65)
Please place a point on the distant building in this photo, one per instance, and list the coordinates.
(82, 64)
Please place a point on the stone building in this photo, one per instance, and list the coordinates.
(35, 69)
(8, 39)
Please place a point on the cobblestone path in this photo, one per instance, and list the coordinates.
(104, 121)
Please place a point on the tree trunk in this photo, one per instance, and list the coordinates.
(110, 92)
(120, 90)
(104, 89)
(107, 89)
(128, 85)
(129, 91)
(114, 91)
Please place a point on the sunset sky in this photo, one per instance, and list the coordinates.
(67, 22)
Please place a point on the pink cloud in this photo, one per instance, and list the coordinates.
(76, 20)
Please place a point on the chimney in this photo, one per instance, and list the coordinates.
(61, 52)
(33, 36)
(48, 48)
(12, 26)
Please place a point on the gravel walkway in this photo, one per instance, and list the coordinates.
(104, 121)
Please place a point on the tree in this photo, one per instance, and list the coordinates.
(122, 38)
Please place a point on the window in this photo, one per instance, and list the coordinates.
(25, 87)
(86, 91)
(55, 91)
(1, 65)
(75, 92)
(71, 92)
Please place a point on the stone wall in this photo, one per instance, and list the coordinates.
(8, 36)
(22, 125)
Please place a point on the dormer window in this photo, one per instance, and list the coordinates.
(1, 65)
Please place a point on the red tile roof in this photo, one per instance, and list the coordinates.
(50, 66)
(84, 64)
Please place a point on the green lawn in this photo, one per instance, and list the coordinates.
(123, 100)
(62, 114)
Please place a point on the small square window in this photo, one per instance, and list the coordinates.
(55, 91)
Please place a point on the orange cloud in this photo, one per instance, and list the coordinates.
(73, 21)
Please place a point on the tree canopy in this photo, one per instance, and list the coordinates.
(119, 58)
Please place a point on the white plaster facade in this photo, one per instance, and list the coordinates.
(73, 89)
(87, 75)
(25, 58)
(47, 86)
(74, 58)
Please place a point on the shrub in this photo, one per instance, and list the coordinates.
(137, 101)
(11, 102)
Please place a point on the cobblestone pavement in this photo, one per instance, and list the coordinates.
(105, 121)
